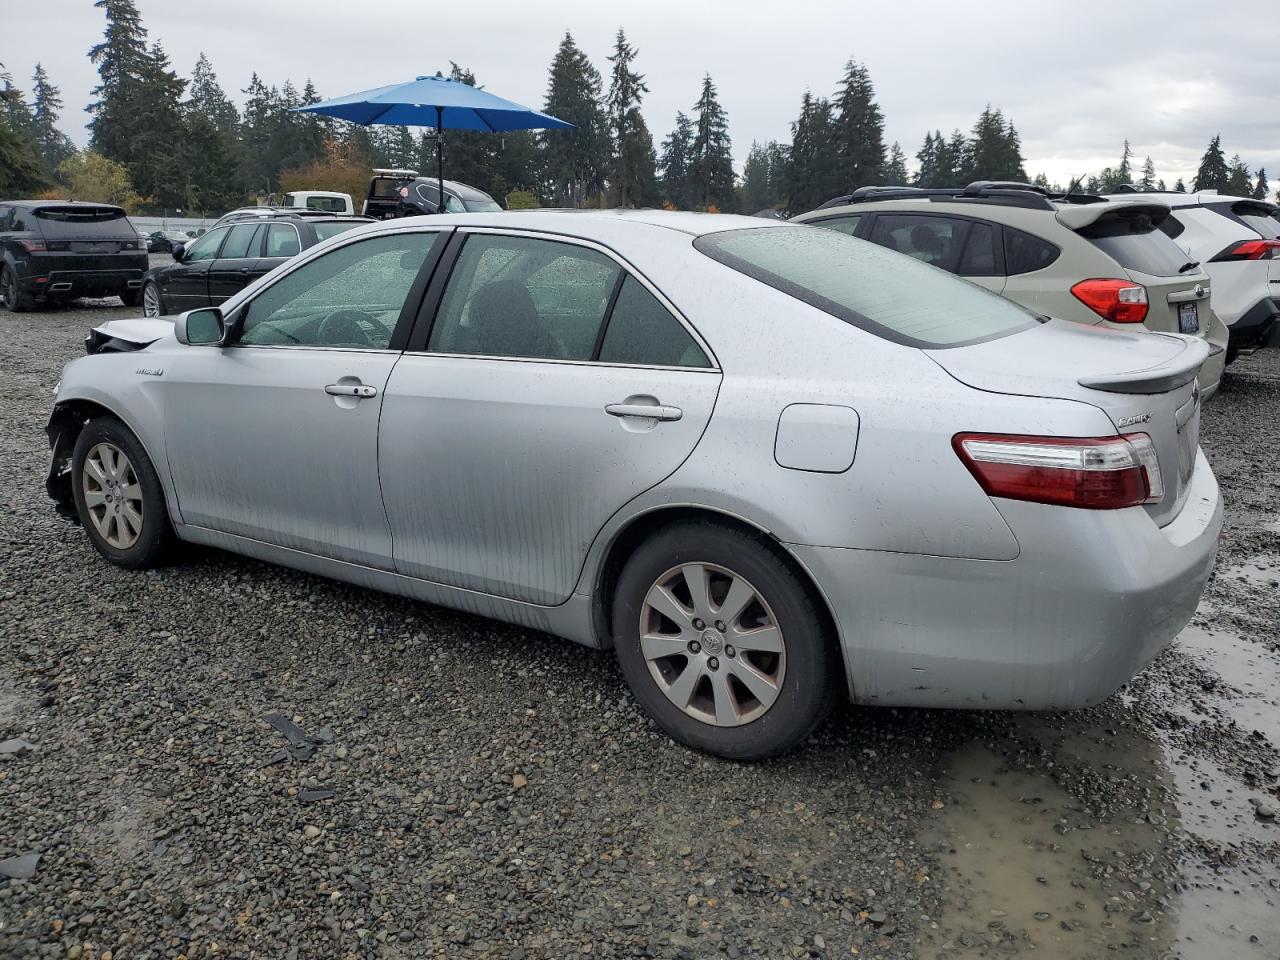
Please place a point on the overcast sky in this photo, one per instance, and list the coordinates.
(1077, 78)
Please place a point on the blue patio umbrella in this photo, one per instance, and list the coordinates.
(440, 102)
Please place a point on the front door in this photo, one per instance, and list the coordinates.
(185, 285)
(554, 388)
(275, 436)
(234, 268)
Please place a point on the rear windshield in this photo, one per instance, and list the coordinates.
(1267, 226)
(332, 228)
(1134, 242)
(330, 204)
(84, 222)
(482, 206)
(880, 291)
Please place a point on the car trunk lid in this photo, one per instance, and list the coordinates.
(1144, 382)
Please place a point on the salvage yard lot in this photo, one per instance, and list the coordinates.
(497, 793)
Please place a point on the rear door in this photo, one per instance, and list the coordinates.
(185, 285)
(553, 387)
(237, 262)
(281, 243)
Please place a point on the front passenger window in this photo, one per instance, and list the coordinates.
(347, 298)
(206, 248)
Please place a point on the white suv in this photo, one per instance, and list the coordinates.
(1237, 241)
(1095, 263)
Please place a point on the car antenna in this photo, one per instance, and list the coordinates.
(1071, 187)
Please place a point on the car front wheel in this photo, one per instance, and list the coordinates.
(722, 643)
(118, 496)
(152, 305)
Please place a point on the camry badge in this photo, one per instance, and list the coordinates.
(1130, 421)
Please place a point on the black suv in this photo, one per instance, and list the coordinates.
(58, 250)
(228, 258)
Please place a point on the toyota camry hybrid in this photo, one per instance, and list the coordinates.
(765, 463)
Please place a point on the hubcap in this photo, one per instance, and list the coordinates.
(726, 677)
(150, 301)
(112, 495)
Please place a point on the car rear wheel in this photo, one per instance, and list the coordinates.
(131, 298)
(118, 496)
(722, 643)
(13, 297)
(152, 305)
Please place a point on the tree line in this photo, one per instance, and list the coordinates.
(160, 141)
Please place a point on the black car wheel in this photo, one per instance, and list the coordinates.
(152, 303)
(722, 643)
(14, 299)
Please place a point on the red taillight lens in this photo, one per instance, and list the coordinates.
(1250, 250)
(1097, 473)
(33, 246)
(1116, 300)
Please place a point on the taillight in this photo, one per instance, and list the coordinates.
(1097, 473)
(33, 246)
(1250, 250)
(1116, 300)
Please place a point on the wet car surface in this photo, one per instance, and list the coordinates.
(499, 793)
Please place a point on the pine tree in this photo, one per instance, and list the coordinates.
(1260, 186)
(995, 152)
(756, 191)
(859, 128)
(575, 162)
(895, 171)
(631, 170)
(711, 160)
(121, 59)
(955, 160)
(46, 106)
(1213, 173)
(19, 162)
(927, 158)
(815, 173)
(677, 150)
(257, 131)
(1240, 181)
(1148, 180)
(210, 148)
(1125, 170)
(1179, 187)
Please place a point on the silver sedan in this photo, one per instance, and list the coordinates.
(767, 464)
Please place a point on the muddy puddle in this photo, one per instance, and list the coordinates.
(1263, 571)
(1078, 837)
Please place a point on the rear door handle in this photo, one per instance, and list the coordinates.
(360, 390)
(646, 411)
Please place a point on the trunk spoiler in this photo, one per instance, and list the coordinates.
(1170, 375)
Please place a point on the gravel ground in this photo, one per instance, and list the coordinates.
(460, 788)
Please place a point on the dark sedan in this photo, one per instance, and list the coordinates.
(163, 241)
(210, 269)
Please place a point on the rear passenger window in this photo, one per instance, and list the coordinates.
(641, 331)
(282, 240)
(979, 257)
(933, 240)
(1024, 253)
(846, 225)
(524, 297)
(239, 244)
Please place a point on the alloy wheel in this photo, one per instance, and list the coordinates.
(712, 644)
(150, 301)
(112, 495)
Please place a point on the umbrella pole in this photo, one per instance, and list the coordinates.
(440, 154)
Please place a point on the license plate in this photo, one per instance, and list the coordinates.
(83, 247)
(1189, 317)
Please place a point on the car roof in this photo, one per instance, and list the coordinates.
(1199, 198)
(599, 224)
(39, 204)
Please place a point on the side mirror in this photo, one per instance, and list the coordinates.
(199, 327)
(179, 251)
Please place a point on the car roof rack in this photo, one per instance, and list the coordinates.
(1006, 193)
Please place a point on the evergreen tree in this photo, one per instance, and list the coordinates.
(758, 180)
(677, 151)
(575, 162)
(711, 160)
(206, 97)
(1148, 180)
(1213, 173)
(1260, 186)
(896, 171)
(927, 158)
(815, 173)
(53, 145)
(631, 171)
(859, 129)
(1240, 182)
(1179, 187)
(955, 160)
(257, 131)
(19, 163)
(210, 149)
(1160, 186)
(1125, 170)
(995, 152)
(779, 162)
(122, 62)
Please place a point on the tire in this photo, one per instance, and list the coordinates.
(797, 658)
(152, 302)
(131, 298)
(113, 532)
(14, 299)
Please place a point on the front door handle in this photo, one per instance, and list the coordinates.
(646, 411)
(361, 391)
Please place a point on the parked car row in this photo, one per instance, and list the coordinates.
(768, 464)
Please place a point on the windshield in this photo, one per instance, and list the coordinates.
(880, 291)
(482, 206)
(1132, 240)
(332, 228)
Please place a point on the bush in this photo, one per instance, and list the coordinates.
(91, 176)
(339, 170)
(522, 200)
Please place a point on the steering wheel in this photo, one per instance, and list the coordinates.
(344, 328)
